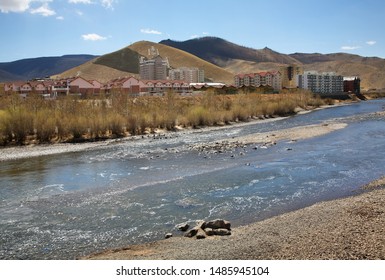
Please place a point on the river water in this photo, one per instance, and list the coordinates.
(133, 191)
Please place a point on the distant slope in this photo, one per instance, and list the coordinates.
(27, 69)
(220, 52)
(178, 58)
(6, 76)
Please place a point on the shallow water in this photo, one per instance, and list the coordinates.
(64, 206)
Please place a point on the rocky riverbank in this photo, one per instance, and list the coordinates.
(350, 228)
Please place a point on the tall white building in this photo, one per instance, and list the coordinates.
(154, 68)
(322, 83)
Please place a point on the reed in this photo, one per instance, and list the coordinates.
(71, 120)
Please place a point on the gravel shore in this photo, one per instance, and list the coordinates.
(344, 229)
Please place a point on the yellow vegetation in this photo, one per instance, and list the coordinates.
(68, 119)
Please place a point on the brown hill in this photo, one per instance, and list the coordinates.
(125, 62)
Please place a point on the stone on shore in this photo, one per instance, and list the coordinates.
(216, 224)
(215, 227)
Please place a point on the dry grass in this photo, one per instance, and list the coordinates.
(71, 120)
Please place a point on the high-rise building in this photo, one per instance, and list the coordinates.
(153, 68)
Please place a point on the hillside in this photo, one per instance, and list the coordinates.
(126, 60)
(26, 69)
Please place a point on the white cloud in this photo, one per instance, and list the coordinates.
(195, 36)
(349, 48)
(150, 31)
(80, 1)
(21, 6)
(60, 18)
(17, 6)
(371, 43)
(93, 37)
(44, 10)
(105, 3)
(108, 3)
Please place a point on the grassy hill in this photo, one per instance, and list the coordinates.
(126, 60)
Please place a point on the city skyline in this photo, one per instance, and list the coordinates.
(36, 28)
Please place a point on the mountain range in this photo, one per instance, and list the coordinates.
(41, 67)
(220, 59)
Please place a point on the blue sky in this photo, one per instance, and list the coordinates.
(34, 28)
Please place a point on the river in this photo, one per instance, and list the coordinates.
(136, 190)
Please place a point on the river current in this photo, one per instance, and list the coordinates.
(136, 190)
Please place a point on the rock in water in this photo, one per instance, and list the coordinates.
(183, 227)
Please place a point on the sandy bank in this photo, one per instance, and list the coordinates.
(293, 134)
(349, 228)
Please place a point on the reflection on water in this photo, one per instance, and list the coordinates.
(61, 207)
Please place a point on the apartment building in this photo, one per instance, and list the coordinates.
(272, 78)
(189, 75)
(322, 83)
